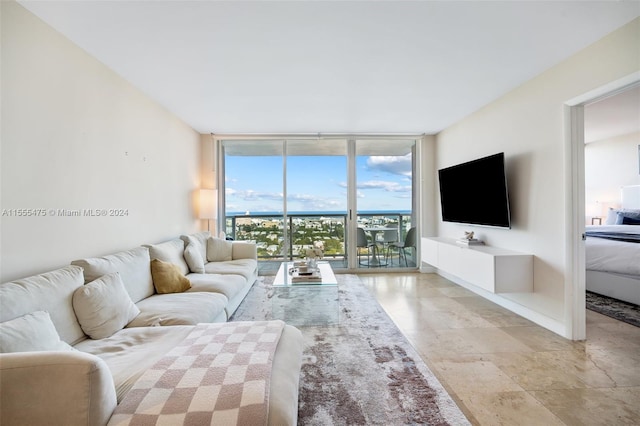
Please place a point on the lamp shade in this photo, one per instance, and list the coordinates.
(208, 203)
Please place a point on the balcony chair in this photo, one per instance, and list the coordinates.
(388, 236)
(362, 242)
(409, 242)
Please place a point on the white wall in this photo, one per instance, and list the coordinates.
(527, 125)
(609, 165)
(77, 136)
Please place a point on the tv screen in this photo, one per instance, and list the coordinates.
(476, 192)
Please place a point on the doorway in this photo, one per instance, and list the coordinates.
(575, 285)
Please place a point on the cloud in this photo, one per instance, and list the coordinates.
(384, 185)
(302, 201)
(251, 195)
(397, 165)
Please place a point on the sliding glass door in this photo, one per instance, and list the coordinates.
(385, 202)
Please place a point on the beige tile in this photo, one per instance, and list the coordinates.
(457, 292)
(595, 318)
(468, 375)
(455, 318)
(508, 409)
(466, 341)
(621, 365)
(496, 315)
(613, 335)
(540, 339)
(551, 370)
(617, 406)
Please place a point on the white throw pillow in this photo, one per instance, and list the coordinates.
(29, 333)
(194, 255)
(103, 306)
(218, 250)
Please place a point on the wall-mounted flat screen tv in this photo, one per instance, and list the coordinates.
(476, 192)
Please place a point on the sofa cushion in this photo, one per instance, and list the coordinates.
(103, 306)
(132, 351)
(133, 266)
(51, 292)
(229, 285)
(29, 333)
(219, 250)
(244, 267)
(171, 251)
(179, 309)
(193, 254)
(168, 278)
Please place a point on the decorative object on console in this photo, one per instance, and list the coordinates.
(468, 239)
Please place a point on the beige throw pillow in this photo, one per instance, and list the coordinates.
(218, 250)
(29, 333)
(103, 306)
(167, 277)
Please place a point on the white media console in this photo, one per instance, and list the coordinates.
(493, 269)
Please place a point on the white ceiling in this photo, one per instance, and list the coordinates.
(330, 66)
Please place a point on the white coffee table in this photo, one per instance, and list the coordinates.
(306, 303)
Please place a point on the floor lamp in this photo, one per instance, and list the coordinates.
(208, 205)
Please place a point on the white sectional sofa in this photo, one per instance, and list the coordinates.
(75, 340)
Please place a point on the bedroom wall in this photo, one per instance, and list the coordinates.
(77, 136)
(527, 125)
(609, 165)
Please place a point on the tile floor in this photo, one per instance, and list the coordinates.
(502, 369)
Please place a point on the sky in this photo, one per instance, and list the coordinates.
(316, 183)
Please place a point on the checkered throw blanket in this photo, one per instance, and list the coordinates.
(219, 375)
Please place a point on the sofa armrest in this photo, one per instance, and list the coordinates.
(66, 388)
(244, 250)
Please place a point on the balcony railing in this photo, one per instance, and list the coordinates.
(305, 229)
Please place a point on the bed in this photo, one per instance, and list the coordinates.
(612, 251)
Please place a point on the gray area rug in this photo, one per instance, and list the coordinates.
(614, 308)
(358, 369)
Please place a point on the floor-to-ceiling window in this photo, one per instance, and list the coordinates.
(292, 193)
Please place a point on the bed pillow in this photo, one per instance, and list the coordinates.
(33, 332)
(168, 278)
(630, 221)
(103, 306)
(614, 217)
(219, 250)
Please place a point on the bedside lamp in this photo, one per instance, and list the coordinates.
(208, 205)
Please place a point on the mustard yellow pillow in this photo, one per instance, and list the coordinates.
(167, 277)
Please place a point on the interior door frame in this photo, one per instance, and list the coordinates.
(575, 275)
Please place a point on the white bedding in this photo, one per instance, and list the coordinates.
(613, 256)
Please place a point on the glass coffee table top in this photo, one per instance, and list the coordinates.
(284, 278)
